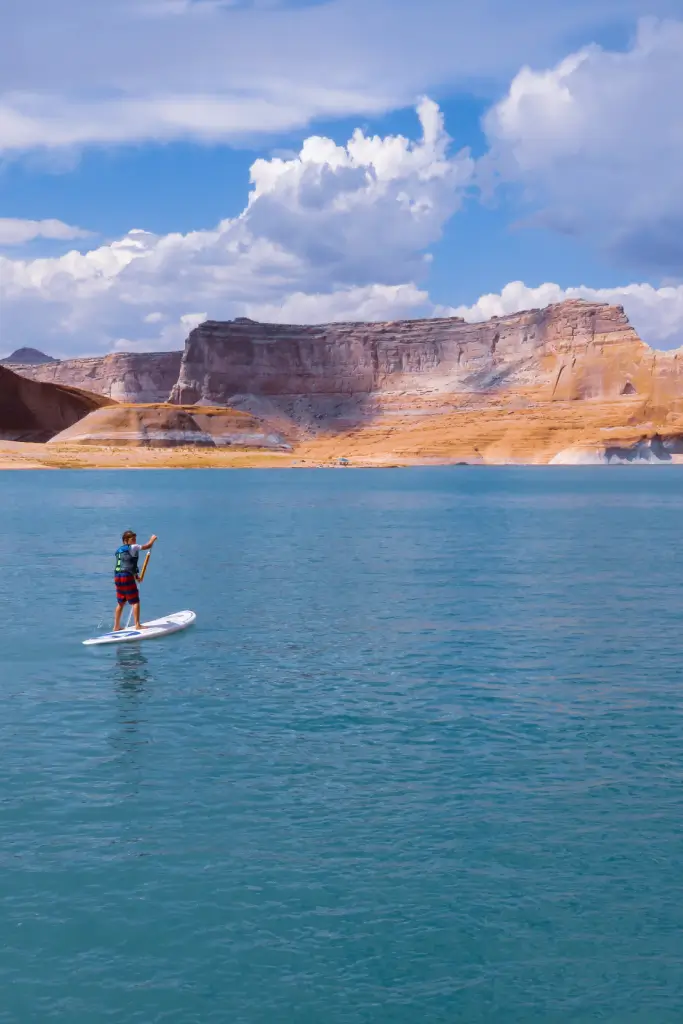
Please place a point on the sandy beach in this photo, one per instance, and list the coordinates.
(19, 455)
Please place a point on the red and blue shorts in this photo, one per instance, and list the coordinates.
(126, 589)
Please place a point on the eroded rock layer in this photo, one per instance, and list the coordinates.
(123, 376)
(171, 426)
(519, 388)
(31, 411)
(440, 357)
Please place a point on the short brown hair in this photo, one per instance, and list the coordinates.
(128, 535)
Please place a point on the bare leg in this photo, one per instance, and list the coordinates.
(136, 616)
(117, 617)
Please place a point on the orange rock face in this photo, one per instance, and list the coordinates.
(522, 388)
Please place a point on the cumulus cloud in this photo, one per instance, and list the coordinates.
(343, 232)
(14, 231)
(656, 313)
(370, 303)
(130, 70)
(597, 144)
(364, 211)
(335, 232)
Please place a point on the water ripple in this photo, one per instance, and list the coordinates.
(420, 759)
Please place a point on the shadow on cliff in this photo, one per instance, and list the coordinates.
(32, 411)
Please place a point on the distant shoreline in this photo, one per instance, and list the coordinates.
(20, 455)
(27, 455)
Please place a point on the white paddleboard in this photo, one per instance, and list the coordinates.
(157, 627)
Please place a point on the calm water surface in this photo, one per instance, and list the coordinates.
(420, 760)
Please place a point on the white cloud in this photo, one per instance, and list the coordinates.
(656, 313)
(170, 335)
(130, 70)
(371, 303)
(192, 320)
(597, 143)
(331, 233)
(14, 231)
(335, 232)
(30, 121)
(364, 212)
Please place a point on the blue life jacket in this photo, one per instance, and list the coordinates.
(126, 561)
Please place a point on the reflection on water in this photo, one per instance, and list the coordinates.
(131, 670)
(131, 675)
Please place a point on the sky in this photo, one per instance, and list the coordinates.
(163, 162)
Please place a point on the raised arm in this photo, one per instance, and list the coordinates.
(150, 543)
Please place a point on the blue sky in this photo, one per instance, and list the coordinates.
(511, 153)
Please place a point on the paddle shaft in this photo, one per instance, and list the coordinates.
(144, 567)
(140, 579)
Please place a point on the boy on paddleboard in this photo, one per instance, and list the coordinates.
(126, 575)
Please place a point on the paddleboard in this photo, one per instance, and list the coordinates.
(157, 627)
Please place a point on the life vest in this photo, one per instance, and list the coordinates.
(126, 561)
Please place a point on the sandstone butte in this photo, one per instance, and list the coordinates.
(569, 383)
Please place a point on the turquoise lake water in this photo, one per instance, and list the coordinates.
(419, 760)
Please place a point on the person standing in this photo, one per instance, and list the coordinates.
(126, 576)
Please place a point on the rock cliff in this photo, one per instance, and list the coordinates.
(123, 376)
(521, 388)
(561, 384)
(442, 357)
(31, 411)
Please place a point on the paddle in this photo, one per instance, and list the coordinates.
(141, 577)
(144, 567)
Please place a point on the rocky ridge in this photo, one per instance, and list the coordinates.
(27, 357)
(123, 376)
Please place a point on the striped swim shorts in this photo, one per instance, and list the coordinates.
(126, 589)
